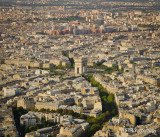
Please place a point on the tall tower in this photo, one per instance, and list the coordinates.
(80, 65)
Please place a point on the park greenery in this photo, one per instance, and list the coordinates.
(149, 26)
(107, 70)
(109, 108)
(1, 63)
(54, 70)
(132, 62)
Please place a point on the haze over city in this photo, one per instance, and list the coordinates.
(79, 68)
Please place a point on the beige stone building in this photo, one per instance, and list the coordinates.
(26, 103)
(131, 117)
(72, 131)
(46, 105)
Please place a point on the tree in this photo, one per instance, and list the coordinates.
(53, 111)
(72, 62)
(70, 112)
(65, 111)
(110, 98)
(59, 111)
(27, 130)
(80, 104)
(48, 110)
(31, 128)
(113, 112)
(42, 110)
(43, 120)
(93, 129)
(109, 108)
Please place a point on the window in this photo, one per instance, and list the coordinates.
(77, 70)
